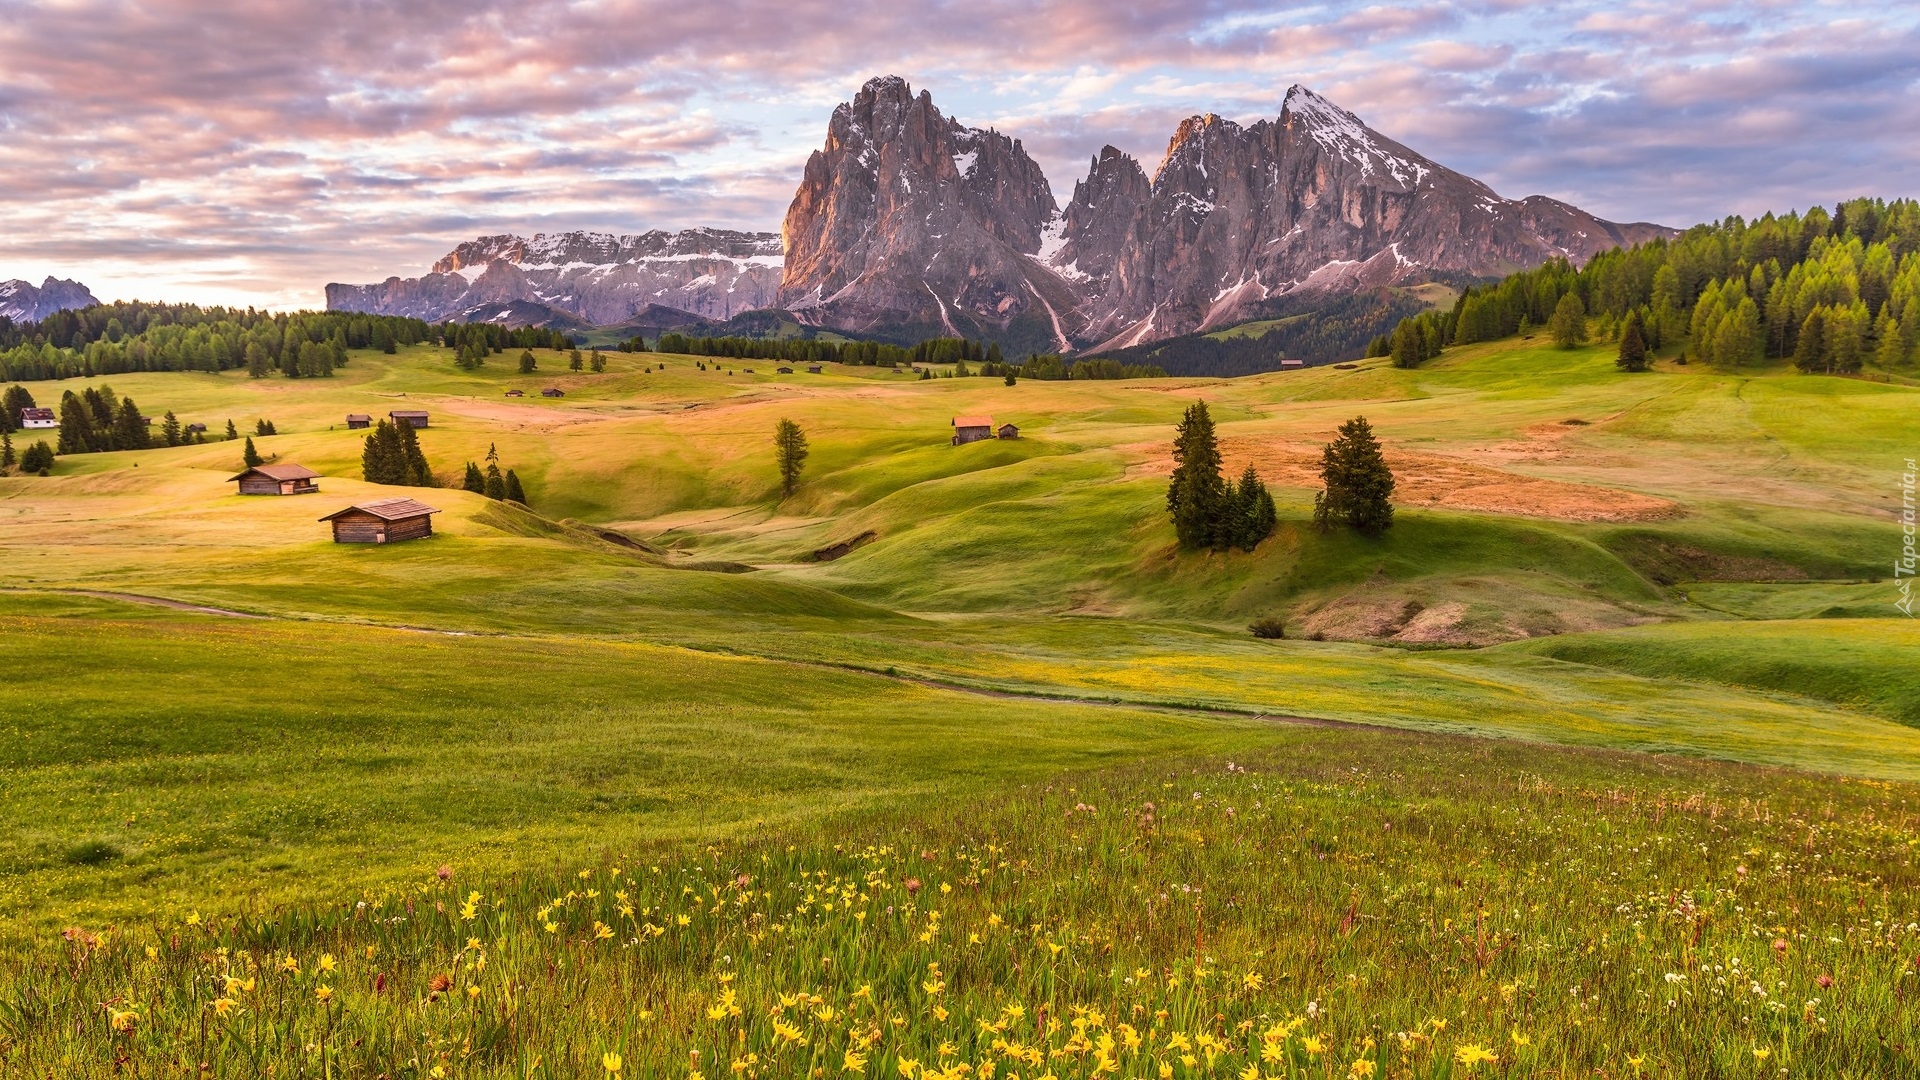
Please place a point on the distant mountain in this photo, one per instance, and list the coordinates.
(580, 278)
(909, 224)
(23, 303)
(1313, 202)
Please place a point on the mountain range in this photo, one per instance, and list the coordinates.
(22, 302)
(909, 224)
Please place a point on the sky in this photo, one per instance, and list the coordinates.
(251, 152)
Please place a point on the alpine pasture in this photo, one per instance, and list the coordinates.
(1600, 761)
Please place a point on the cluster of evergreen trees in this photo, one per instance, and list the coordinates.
(1311, 328)
(492, 483)
(472, 343)
(392, 455)
(133, 336)
(1832, 291)
(1052, 367)
(92, 422)
(1207, 511)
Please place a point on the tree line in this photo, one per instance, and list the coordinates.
(1829, 290)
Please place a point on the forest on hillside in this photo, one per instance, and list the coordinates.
(1317, 329)
(1830, 291)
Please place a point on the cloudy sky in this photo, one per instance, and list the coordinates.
(251, 152)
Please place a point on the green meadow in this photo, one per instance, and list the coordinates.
(1644, 619)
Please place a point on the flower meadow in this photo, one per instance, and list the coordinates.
(1359, 906)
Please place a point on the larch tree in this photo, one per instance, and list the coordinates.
(790, 453)
(1568, 326)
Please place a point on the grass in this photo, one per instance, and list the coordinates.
(986, 695)
(1345, 905)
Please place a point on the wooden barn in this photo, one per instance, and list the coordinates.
(783, 370)
(516, 393)
(412, 418)
(1288, 363)
(277, 480)
(968, 429)
(359, 420)
(553, 391)
(813, 369)
(387, 521)
(1008, 431)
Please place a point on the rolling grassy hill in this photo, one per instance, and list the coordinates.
(664, 659)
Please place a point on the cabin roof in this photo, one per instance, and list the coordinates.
(277, 472)
(973, 421)
(408, 412)
(352, 416)
(386, 509)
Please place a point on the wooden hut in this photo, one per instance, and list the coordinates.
(553, 391)
(413, 418)
(783, 370)
(968, 429)
(1008, 431)
(516, 393)
(813, 369)
(277, 480)
(1288, 363)
(359, 420)
(386, 521)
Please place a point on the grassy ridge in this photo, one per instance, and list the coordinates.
(1346, 905)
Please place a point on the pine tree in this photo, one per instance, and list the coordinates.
(1892, 351)
(1739, 339)
(1011, 378)
(256, 361)
(76, 425)
(1810, 352)
(1253, 516)
(1407, 345)
(1359, 486)
(496, 485)
(6, 450)
(418, 474)
(1568, 326)
(38, 458)
(1197, 493)
(790, 453)
(475, 481)
(232, 432)
(383, 459)
(527, 363)
(514, 492)
(170, 428)
(599, 362)
(251, 457)
(16, 400)
(573, 360)
(1633, 345)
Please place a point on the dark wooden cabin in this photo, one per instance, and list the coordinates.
(553, 391)
(359, 420)
(412, 418)
(1008, 431)
(387, 521)
(968, 429)
(277, 480)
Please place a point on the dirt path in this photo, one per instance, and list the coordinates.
(157, 601)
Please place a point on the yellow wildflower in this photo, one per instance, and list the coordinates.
(323, 993)
(907, 1067)
(1253, 981)
(1314, 1044)
(326, 962)
(1473, 1054)
(222, 1006)
(853, 1063)
(610, 1061)
(1760, 1054)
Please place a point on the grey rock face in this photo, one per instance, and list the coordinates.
(23, 303)
(1312, 201)
(599, 278)
(908, 217)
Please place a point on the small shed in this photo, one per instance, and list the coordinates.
(196, 429)
(783, 371)
(277, 480)
(1008, 431)
(516, 393)
(386, 521)
(33, 419)
(813, 369)
(553, 391)
(1287, 362)
(412, 418)
(359, 420)
(968, 429)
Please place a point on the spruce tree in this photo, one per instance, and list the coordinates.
(251, 457)
(383, 460)
(1253, 516)
(1810, 352)
(76, 425)
(474, 481)
(16, 400)
(599, 362)
(790, 453)
(515, 493)
(256, 361)
(232, 432)
(1633, 345)
(418, 474)
(6, 450)
(527, 362)
(1359, 486)
(1568, 326)
(1197, 493)
(38, 458)
(496, 485)
(574, 362)
(170, 428)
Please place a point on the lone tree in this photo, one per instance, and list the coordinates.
(790, 450)
(1197, 493)
(496, 485)
(1569, 322)
(251, 457)
(527, 363)
(1633, 345)
(1359, 486)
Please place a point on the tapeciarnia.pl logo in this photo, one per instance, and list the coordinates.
(1904, 566)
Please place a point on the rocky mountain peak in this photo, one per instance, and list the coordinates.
(907, 216)
(22, 302)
